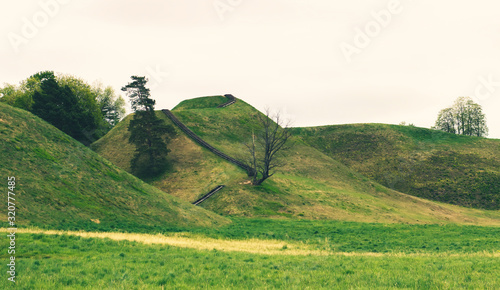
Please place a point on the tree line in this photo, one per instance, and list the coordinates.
(84, 112)
(87, 112)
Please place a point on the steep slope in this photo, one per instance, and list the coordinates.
(193, 170)
(432, 164)
(61, 183)
(311, 184)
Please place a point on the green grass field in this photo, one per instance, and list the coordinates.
(359, 255)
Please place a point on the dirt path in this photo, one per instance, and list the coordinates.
(185, 240)
(255, 246)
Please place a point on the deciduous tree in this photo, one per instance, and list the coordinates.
(465, 117)
(266, 146)
(89, 112)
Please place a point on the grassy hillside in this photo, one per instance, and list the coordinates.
(432, 164)
(193, 170)
(63, 184)
(312, 185)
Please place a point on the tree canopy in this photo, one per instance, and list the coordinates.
(60, 106)
(465, 117)
(82, 111)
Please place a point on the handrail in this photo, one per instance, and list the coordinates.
(206, 196)
(202, 142)
(232, 100)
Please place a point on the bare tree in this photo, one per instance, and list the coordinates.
(266, 146)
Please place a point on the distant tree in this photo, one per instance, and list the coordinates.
(465, 117)
(406, 124)
(266, 146)
(112, 106)
(446, 121)
(147, 132)
(13, 96)
(22, 96)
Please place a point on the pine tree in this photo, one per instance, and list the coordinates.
(59, 106)
(147, 132)
(65, 101)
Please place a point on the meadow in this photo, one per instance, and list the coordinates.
(307, 254)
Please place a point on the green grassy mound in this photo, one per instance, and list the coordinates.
(62, 184)
(192, 172)
(311, 185)
(431, 164)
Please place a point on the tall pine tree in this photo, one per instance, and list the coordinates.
(147, 132)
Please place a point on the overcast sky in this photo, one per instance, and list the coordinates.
(318, 61)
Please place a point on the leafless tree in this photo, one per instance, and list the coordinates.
(266, 146)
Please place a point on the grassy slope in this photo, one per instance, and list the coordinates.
(311, 185)
(426, 163)
(193, 170)
(61, 183)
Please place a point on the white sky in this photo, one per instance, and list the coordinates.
(281, 54)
